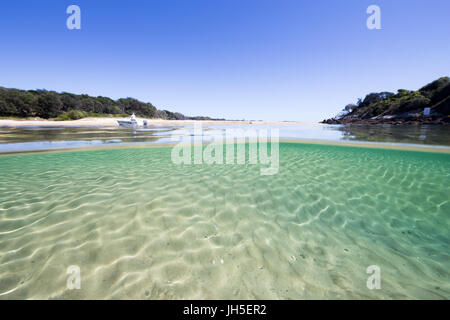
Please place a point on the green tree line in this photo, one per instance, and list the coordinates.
(50, 104)
(404, 103)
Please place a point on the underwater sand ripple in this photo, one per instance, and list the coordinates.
(140, 227)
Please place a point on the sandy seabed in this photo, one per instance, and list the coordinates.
(140, 227)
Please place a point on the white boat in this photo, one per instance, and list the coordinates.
(133, 122)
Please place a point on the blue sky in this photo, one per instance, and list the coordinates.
(234, 59)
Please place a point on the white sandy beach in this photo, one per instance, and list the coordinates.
(112, 122)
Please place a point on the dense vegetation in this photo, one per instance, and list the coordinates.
(404, 106)
(68, 106)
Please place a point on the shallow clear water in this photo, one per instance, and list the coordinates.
(51, 138)
(139, 226)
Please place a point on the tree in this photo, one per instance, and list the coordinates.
(48, 105)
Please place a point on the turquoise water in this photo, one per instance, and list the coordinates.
(19, 139)
(139, 226)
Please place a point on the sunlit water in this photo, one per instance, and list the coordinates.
(140, 226)
(48, 138)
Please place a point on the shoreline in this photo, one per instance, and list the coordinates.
(112, 122)
(393, 121)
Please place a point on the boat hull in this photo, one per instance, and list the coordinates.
(125, 123)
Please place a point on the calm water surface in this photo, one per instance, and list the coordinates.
(45, 138)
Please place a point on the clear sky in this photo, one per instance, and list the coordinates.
(234, 59)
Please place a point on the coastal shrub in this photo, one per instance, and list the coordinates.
(435, 85)
(116, 110)
(174, 115)
(435, 95)
(50, 104)
(161, 114)
(441, 93)
(402, 92)
(71, 115)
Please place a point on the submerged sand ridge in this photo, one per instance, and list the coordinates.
(140, 227)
